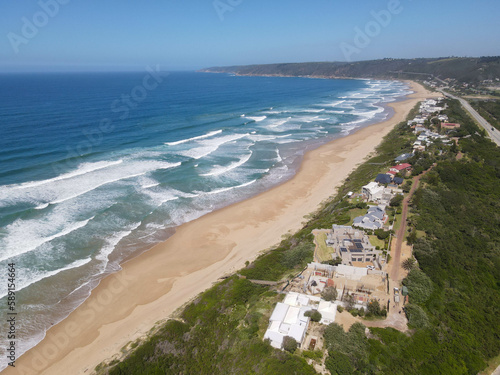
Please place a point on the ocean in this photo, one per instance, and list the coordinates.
(98, 167)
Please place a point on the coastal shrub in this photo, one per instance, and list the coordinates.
(382, 234)
(417, 318)
(315, 315)
(298, 256)
(396, 200)
(339, 364)
(419, 286)
(289, 344)
(329, 293)
(373, 308)
(353, 343)
(315, 355)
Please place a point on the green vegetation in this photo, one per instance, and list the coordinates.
(374, 241)
(454, 297)
(460, 68)
(289, 344)
(315, 315)
(396, 200)
(374, 309)
(323, 253)
(218, 334)
(408, 264)
(489, 109)
(329, 293)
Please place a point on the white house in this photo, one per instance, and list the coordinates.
(373, 191)
(328, 311)
(287, 320)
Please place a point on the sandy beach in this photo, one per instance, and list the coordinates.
(150, 287)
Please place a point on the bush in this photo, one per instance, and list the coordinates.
(408, 264)
(289, 344)
(354, 312)
(349, 302)
(340, 308)
(361, 311)
(315, 355)
(298, 255)
(329, 293)
(396, 201)
(382, 234)
(315, 315)
(417, 318)
(374, 308)
(419, 286)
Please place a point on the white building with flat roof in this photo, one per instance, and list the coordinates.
(287, 320)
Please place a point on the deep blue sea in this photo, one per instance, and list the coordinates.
(95, 168)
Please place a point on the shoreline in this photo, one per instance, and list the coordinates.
(150, 287)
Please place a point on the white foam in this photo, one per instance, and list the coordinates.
(42, 206)
(147, 186)
(278, 122)
(278, 156)
(95, 186)
(218, 170)
(208, 135)
(264, 137)
(38, 276)
(20, 242)
(257, 118)
(222, 190)
(111, 243)
(310, 110)
(71, 188)
(209, 146)
(81, 170)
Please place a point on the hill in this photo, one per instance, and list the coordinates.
(462, 69)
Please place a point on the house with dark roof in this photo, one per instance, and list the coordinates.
(383, 178)
(398, 180)
(351, 244)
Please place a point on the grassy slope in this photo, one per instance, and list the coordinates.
(456, 318)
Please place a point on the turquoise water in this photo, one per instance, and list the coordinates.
(98, 167)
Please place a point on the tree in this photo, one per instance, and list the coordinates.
(407, 186)
(289, 344)
(349, 301)
(408, 264)
(396, 201)
(329, 293)
(382, 234)
(412, 237)
(374, 307)
(315, 315)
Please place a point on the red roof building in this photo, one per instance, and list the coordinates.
(400, 167)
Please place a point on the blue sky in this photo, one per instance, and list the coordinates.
(191, 34)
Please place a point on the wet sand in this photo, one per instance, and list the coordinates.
(150, 287)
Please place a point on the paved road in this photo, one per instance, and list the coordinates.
(494, 134)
